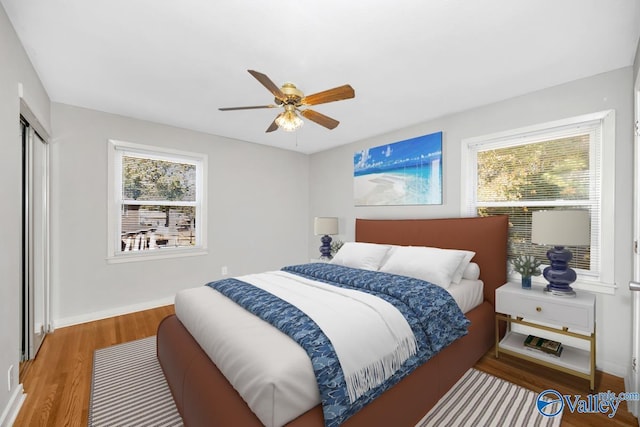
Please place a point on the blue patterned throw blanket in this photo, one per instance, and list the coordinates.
(433, 316)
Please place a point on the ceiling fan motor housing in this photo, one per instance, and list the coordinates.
(292, 93)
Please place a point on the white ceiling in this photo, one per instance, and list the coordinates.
(409, 61)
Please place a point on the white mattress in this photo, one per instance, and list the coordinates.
(468, 294)
(271, 372)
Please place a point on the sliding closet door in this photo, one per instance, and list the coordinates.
(35, 270)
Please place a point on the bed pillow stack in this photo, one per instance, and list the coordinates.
(438, 266)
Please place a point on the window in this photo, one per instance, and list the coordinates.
(156, 202)
(550, 166)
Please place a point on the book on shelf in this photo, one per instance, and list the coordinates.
(543, 345)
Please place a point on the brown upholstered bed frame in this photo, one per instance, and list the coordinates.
(205, 398)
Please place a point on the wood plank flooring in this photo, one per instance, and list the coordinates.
(58, 382)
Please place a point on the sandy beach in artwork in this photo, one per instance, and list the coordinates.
(394, 188)
(378, 189)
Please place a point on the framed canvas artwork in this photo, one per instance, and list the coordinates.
(407, 172)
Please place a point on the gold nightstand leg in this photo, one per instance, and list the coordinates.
(497, 335)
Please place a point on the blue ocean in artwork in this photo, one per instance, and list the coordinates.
(403, 173)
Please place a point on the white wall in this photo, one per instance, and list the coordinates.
(16, 68)
(331, 181)
(257, 214)
(636, 63)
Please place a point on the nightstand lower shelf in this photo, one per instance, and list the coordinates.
(574, 361)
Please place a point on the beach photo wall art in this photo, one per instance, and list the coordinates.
(407, 172)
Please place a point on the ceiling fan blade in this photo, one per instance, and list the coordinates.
(320, 119)
(253, 107)
(273, 126)
(335, 94)
(266, 82)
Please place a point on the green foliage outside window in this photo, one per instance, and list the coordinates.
(520, 179)
(150, 179)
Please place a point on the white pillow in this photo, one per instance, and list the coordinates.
(457, 276)
(472, 272)
(366, 256)
(434, 265)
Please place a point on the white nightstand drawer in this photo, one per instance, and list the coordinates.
(537, 306)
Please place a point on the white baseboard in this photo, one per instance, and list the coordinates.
(104, 314)
(632, 405)
(10, 413)
(612, 368)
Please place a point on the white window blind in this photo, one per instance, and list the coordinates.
(554, 166)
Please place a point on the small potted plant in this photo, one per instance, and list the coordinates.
(527, 266)
(335, 247)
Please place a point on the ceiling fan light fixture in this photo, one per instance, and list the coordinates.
(289, 121)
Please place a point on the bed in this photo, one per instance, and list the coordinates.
(204, 397)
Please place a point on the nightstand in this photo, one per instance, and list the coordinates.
(572, 317)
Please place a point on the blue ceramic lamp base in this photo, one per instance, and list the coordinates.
(559, 275)
(325, 249)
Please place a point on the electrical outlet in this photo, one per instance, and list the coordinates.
(9, 378)
(225, 270)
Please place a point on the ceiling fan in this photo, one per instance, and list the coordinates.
(291, 99)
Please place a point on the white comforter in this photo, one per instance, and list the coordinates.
(371, 338)
(271, 372)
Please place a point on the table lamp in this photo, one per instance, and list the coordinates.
(325, 227)
(560, 228)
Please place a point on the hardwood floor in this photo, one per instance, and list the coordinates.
(538, 378)
(58, 382)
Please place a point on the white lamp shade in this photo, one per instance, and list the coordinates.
(561, 227)
(325, 226)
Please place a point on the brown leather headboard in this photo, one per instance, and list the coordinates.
(486, 236)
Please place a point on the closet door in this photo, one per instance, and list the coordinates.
(35, 240)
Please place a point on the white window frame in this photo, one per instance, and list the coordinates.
(116, 149)
(605, 281)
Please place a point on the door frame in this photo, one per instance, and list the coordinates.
(35, 134)
(632, 381)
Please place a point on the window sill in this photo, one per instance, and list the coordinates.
(593, 286)
(149, 255)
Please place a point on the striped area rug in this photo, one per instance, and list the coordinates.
(128, 388)
(480, 399)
